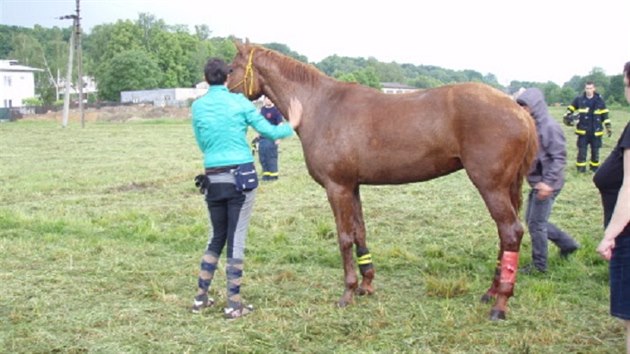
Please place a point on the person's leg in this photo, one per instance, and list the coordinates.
(217, 215)
(261, 155)
(582, 145)
(273, 162)
(563, 240)
(538, 215)
(239, 210)
(560, 238)
(596, 143)
(265, 156)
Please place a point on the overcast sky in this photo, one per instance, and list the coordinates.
(534, 40)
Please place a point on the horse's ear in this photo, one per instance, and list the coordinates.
(238, 43)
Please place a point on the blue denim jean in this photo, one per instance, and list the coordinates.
(620, 278)
(541, 230)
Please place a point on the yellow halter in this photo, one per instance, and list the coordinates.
(248, 76)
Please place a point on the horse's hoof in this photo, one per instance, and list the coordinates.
(362, 291)
(486, 298)
(496, 315)
(343, 302)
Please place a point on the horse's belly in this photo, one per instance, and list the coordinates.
(407, 173)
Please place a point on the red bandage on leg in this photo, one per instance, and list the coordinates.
(509, 265)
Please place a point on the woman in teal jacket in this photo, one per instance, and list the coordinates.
(220, 121)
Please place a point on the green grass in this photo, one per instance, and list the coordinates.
(101, 232)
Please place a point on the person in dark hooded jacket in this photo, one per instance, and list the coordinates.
(546, 178)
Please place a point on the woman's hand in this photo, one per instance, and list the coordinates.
(605, 248)
(295, 112)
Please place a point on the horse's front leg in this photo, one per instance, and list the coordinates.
(346, 207)
(364, 258)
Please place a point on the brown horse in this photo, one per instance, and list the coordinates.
(353, 135)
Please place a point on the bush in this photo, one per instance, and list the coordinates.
(32, 101)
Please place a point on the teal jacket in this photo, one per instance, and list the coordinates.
(220, 120)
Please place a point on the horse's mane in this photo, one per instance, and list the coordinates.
(293, 69)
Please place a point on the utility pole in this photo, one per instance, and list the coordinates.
(75, 45)
(66, 95)
(80, 64)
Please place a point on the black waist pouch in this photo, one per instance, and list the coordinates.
(246, 177)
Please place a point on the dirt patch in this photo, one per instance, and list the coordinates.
(116, 114)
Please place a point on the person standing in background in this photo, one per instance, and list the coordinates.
(589, 109)
(268, 148)
(612, 180)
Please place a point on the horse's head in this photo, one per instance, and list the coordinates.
(244, 77)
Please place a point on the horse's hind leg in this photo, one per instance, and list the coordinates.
(346, 206)
(510, 230)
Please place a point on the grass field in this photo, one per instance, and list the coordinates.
(102, 229)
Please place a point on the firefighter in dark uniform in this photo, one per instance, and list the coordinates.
(591, 114)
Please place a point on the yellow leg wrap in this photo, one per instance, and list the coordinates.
(365, 259)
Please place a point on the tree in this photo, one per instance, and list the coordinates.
(491, 80)
(616, 90)
(567, 95)
(28, 51)
(133, 69)
(576, 83)
(424, 82)
(202, 32)
(368, 77)
(194, 55)
(387, 72)
(169, 54)
(223, 48)
(284, 49)
(150, 27)
(365, 77)
(347, 77)
(107, 41)
(601, 81)
(6, 33)
(335, 65)
(553, 92)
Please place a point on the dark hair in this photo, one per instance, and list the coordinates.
(626, 71)
(216, 71)
(590, 83)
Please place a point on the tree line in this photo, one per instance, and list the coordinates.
(148, 53)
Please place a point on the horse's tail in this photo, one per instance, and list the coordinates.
(531, 150)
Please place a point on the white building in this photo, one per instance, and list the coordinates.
(164, 97)
(89, 87)
(17, 83)
(395, 87)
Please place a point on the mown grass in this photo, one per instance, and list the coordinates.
(101, 231)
